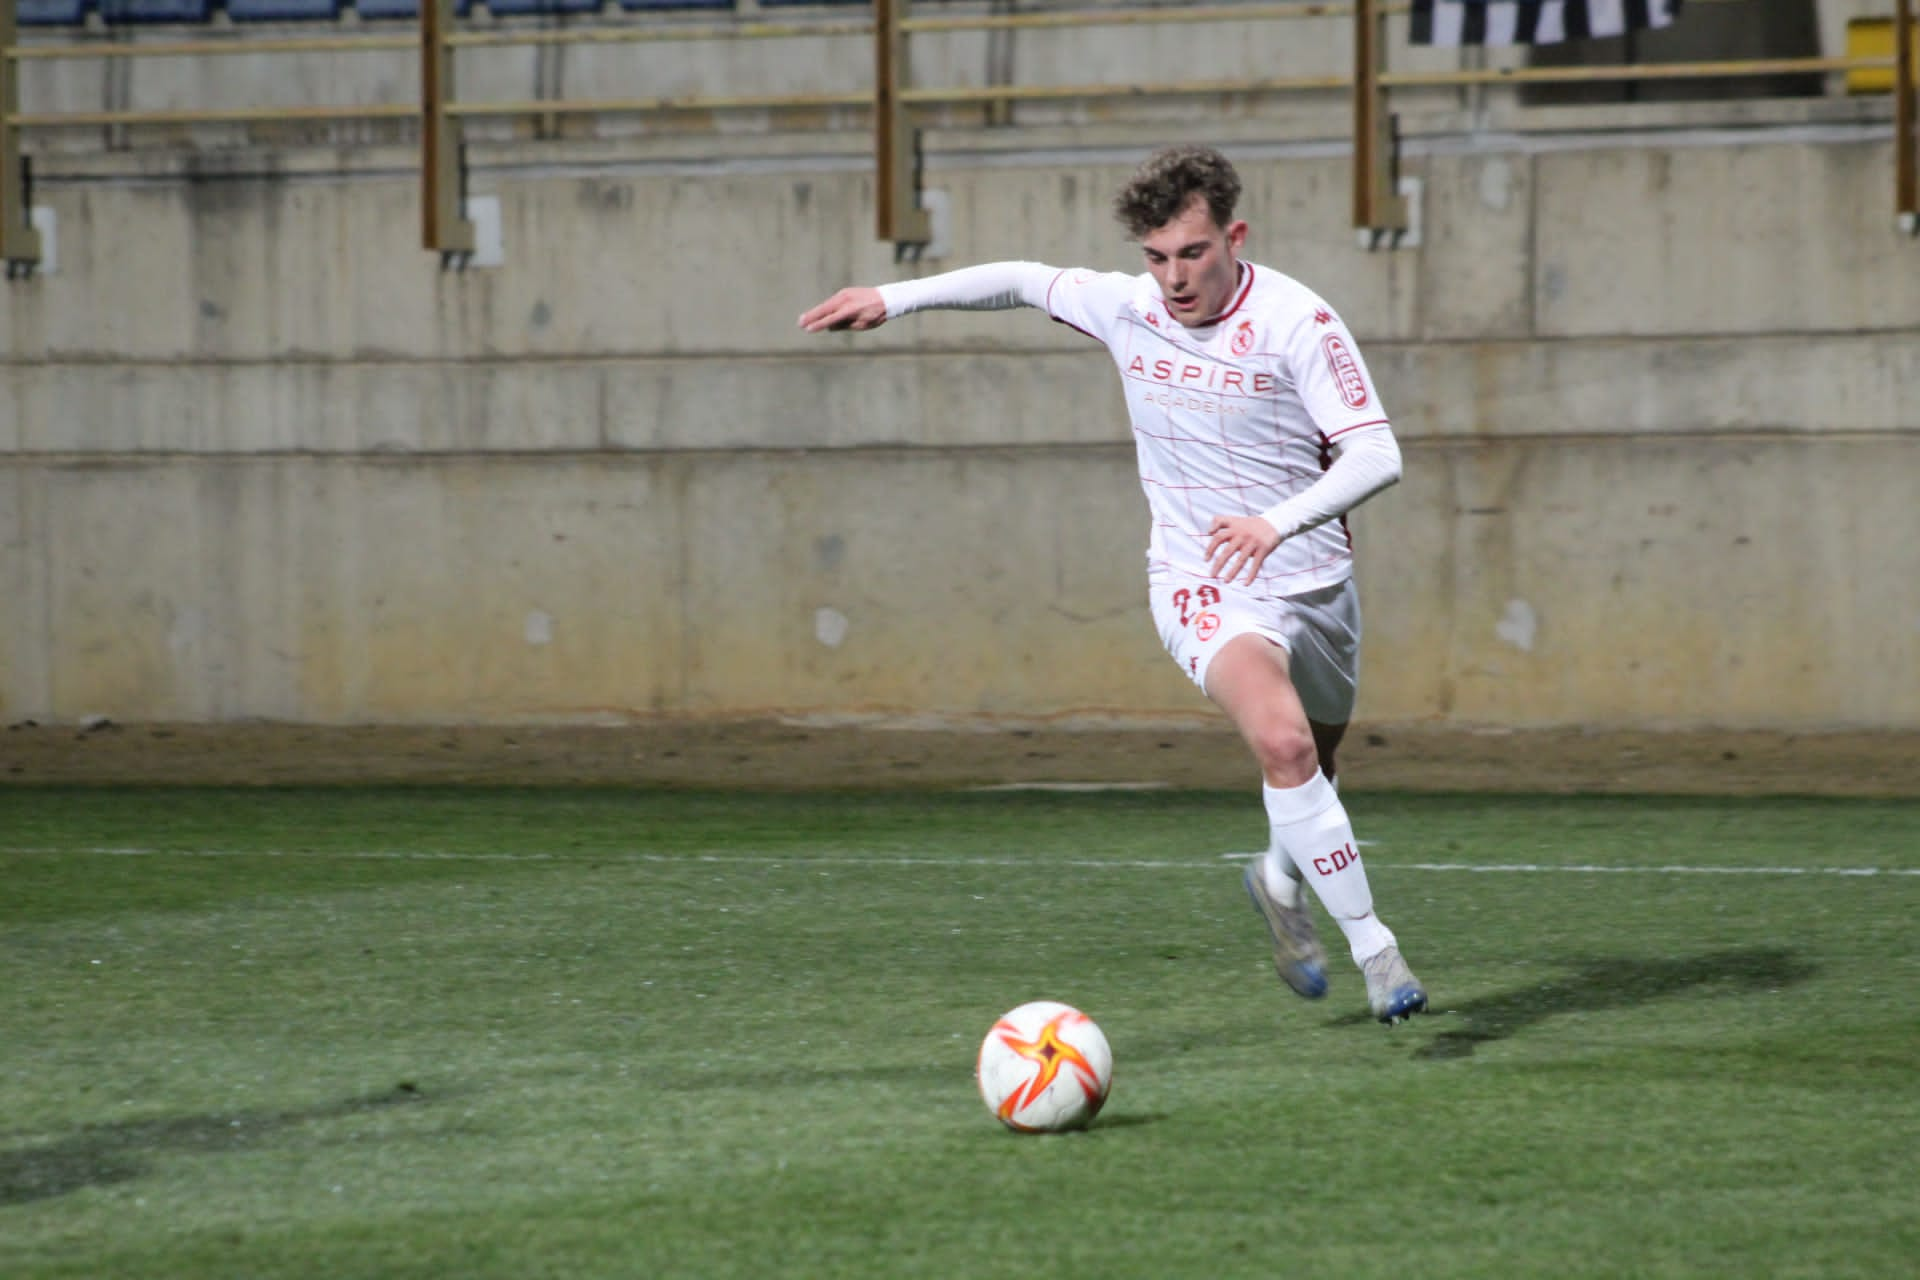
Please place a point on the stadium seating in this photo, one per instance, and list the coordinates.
(283, 10)
(513, 8)
(520, 8)
(73, 13)
(53, 13)
(130, 12)
(409, 9)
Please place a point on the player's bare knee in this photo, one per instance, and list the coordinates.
(1286, 754)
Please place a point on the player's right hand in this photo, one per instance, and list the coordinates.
(1240, 544)
(858, 307)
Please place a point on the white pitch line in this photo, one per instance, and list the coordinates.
(912, 860)
(344, 855)
(1071, 788)
(664, 859)
(1669, 870)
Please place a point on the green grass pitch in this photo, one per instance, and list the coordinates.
(520, 1033)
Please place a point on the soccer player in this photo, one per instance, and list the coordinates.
(1258, 429)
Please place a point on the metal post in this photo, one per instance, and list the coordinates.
(445, 227)
(19, 242)
(1377, 206)
(1906, 162)
(899, 217)
(1000, 64)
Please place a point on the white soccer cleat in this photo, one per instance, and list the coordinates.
(1393, 992)
(1297, 954)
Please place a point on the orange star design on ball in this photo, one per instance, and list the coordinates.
(1051, 1055)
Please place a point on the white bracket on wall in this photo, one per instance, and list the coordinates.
(489, 249)
(47, 223)
(1407, 237)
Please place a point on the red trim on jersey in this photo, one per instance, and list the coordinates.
(1244, 291)
(1377, 422)
(1164, 566)
(1049, 298)
(1056, 319)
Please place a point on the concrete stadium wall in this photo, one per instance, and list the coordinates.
(684, 64)
(686, 67)
(259, 458)
(698, 55)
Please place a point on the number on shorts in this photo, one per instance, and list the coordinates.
(1207, 595)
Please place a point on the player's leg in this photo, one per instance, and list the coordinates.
(1272, 880)
(1231, 646)
(1312, 835)
(1323, 634)
(1311, 832)
(1196, 622)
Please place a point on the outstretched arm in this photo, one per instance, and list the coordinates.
(994, 286)
(1369, 461)
(856, 307)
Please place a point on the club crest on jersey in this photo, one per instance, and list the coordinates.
(1242, 340)
(1206, 626)
(1346, 372)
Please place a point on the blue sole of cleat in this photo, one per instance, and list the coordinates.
(1309, 981)
(1404, 1006)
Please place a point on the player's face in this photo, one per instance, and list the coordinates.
(1196, 261)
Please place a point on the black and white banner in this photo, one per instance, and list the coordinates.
(1452, 22)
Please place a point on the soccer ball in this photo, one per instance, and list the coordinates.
(1045, 1067)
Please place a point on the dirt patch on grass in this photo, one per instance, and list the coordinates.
(788, 754)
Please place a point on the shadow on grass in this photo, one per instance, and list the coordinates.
(1614, 982)
(103, 1154)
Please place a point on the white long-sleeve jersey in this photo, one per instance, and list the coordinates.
(1267, 410)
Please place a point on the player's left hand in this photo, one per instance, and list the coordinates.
(1239, 543)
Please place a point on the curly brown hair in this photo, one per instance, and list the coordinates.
(1168, 180)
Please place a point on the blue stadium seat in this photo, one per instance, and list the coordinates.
(53, 13)
(516, 8)
(403, 8)
(128, 12)
(641, 6)
(773, 3)
(283, 10)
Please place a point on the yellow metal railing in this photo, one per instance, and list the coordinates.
(1906, 117)
(19, 242)
(893, 97)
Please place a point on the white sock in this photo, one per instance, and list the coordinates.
(1314, 839)
(1282, 877)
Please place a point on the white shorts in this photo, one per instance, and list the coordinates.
(1320, 630)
